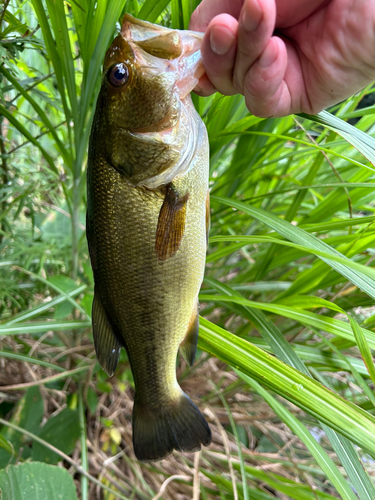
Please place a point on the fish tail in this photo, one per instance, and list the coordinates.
(176, 426)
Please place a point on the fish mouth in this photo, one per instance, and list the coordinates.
(179, 48)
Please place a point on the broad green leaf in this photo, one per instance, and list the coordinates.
(28, 414)
(36, 481)
(61, 431)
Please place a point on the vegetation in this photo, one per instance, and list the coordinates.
(284, 374)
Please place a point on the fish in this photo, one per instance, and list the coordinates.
(147, 226)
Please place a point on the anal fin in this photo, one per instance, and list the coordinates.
(171, 224)
(107, 346)
(188, 346)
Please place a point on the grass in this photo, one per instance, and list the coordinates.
(284, 373)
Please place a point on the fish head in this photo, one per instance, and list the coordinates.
(142, 118)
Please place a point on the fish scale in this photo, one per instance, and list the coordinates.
(146, 289)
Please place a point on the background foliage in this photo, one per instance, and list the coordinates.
(287, 305)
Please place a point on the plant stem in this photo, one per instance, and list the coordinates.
(75, 222)
(4, 177)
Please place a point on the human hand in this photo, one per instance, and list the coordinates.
(323, 51)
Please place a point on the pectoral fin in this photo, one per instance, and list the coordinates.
(188, 346)
(107, 346)
(171, 224)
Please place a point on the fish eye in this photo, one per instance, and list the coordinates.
(118, 75)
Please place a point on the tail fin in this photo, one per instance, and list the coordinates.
(178, 426)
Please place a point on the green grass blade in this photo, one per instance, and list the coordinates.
(363, 347)
(84, 456)
(36, 311)
(28, 359)
(300, 237)
(52, 52)
(284, 351)
(342, 416)
(41, 327)
(350, 460)
(151, 9)
(359, 139)
(320, 455)
(58, 20)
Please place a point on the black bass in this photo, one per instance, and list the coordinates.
(147, 224)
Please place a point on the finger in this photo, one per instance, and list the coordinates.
(266, 93)
(219, 52)
(204, 87)
(208, 9)
(256, 25)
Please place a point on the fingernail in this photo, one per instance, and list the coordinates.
(221, 40)
(197, 90)
(268, 57)
(251, 15)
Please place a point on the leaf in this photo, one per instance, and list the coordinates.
(6, 445)
(42, 326)
(325, 323)
(320, 455)
(28, 414)
(39, 309)
(339, 414)
(300, 237)
(284, 351)
(360, 140)
(363, 347)
(36, 481)
(62, 431)
(152, 9)
(29, 359)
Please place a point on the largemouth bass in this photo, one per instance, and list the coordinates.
(147, 224)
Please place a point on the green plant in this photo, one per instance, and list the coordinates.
(287, 302)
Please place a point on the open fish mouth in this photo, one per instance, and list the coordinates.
(180, 48)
